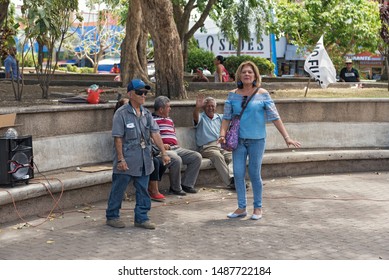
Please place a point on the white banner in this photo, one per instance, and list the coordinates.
(319, 65)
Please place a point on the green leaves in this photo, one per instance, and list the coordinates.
(237, 20)
(46, 22)
(350, 26)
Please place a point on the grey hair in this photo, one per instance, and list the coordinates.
(160, 102)
(209, 99)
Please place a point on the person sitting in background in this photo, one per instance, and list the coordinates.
(221, 74)
(115, 69)
(348, 73)
(120, 103)
(232, 77)
(206, 72)
(199, 76)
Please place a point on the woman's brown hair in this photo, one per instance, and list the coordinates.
(258, 78)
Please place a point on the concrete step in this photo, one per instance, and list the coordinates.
(68, 187)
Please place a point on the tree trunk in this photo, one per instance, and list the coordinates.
(3, 11)
(169, 68)
(45, 91)
(40, 56)
(133, 62)
(239, 50)
(384, 16)
(385, 75)
(182, 18)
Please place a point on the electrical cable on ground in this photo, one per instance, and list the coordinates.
(48, 190)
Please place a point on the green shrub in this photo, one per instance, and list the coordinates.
(69, 68)
(86, 70)
(75, 69)
(28, 59)
(199, 58)
(265, 66)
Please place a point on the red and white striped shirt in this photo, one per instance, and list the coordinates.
(167, 130)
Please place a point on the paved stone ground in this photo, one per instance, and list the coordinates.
(343, 216)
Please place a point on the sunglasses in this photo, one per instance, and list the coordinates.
(141, 92)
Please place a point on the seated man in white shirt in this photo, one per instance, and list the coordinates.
(206, 72)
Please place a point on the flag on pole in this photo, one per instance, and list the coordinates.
(319, 65)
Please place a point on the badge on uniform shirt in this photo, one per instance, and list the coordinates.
(130, 125)
(143, 143)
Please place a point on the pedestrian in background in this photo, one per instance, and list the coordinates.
(11, 65)
(115, 69)
(349, 73)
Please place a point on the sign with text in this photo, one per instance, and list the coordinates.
(220, 45)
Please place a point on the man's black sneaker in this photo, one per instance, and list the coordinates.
(231, 185)
(188, 189)
(180, 192)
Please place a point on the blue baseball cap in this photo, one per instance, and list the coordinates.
(137, 84)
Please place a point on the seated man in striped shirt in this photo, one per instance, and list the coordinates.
(177, 154)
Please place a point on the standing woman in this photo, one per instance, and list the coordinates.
(221, 73)
(252, 134)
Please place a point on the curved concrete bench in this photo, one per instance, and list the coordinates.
(341, 146)
(324, 141)
(58, 152)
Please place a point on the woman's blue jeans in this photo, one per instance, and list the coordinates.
(254, 150)
(142, 198)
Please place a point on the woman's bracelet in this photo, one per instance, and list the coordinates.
(121, 160)
(221, 136)
(164, 155)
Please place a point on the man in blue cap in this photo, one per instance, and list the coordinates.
(133, 128)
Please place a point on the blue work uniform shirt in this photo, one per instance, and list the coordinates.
(132, 129)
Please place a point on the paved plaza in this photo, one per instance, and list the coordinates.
(323, 217)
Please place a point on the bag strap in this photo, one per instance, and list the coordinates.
(225, 70)
(247, 102)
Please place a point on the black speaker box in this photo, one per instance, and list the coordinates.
(16, 160)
